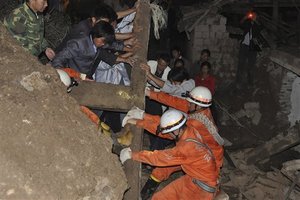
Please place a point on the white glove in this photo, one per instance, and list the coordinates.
(125, 154)
(134, 113)
(147, 91)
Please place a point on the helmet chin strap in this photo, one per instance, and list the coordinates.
(193, 111)
(176, 137)
(173, 135)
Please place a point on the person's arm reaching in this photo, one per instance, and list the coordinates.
(160, 83)
(69, 52)
(153, 80)
(150, 123)
(162, 158)
(177, 90)
(172, 101)
(124, 13)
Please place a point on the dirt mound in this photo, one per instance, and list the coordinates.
(48, 148)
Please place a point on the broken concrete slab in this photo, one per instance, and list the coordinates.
(281, 142)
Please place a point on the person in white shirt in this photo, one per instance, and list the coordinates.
(178, 82)
(160, 68)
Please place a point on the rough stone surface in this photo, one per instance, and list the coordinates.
(48, 148)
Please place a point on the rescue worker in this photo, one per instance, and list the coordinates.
(66, 79)
(196, 105)
(26, 24)
(190, 154)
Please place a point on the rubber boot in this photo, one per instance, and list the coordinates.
(149, 189)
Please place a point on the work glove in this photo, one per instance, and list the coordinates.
(125, 154)
(104, 129)
(125, 136)
(134, 113)
(147, 92)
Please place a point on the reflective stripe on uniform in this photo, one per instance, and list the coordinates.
(204, 186)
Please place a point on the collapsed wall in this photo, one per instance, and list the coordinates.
(284, 69)
(48, 148)
(210, 33)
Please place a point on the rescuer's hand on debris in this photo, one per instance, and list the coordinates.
(125, 136)
(125, 154)
(84, 78)
(132, 121)
(134, 113)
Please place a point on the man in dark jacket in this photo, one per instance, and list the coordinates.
(248, 51)
(80, 54)
(101, 13)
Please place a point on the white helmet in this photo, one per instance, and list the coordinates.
(171, 120)
(64, 77)
(201, 96)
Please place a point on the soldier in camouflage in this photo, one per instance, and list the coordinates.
(26, 24)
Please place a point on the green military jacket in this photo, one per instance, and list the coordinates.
(28, 28)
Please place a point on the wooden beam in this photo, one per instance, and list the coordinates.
(138, 78)
(122, 98)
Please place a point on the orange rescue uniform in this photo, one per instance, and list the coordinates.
(194, 158)
(90, 114)
(183, 105)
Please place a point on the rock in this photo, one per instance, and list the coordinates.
(48, 148)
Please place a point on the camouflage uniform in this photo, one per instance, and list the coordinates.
(28, 28)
